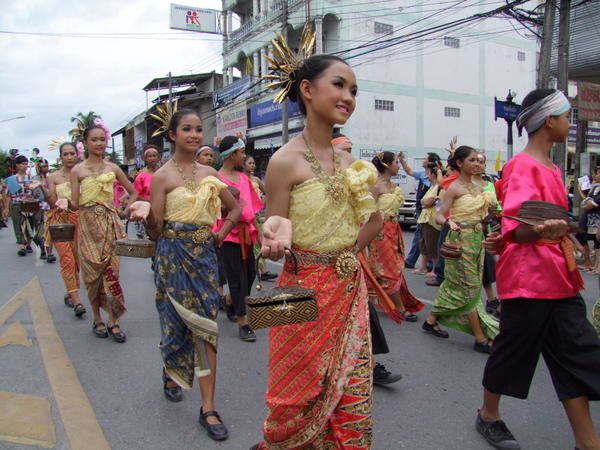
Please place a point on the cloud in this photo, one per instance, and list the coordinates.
(50, 79)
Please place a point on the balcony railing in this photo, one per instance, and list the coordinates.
(259, 22)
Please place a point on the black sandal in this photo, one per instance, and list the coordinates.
(100, 330)
(67, 300)
(173, 393)
(119, 336)
(79, 310)
(483, 346)
(217, 432)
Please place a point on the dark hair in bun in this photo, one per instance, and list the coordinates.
(311, 69)
(460, 154)
(382, 160)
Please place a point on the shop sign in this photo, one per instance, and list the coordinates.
(232, 91)
(232, 121)
(593, 135)
(190, 18)
(588, 101)
(266, 113)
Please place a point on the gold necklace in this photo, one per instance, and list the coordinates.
(94, 170)
(334, 184)
(470, 187)
(190, 184)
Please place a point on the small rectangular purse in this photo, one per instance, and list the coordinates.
(135, 248)
(62, 232)
(281, 305)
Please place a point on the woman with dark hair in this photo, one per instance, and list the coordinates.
(539, 284)
(458, 301)
(386, 251)
(99, 228)
(319, 204)
(236, 249)
(185, 202)
(59, 194)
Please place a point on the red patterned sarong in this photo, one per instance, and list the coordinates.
(386, 258)
(67, 251)
(320, 373)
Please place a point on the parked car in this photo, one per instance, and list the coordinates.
(407, 215)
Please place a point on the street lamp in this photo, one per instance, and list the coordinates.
(12, 118)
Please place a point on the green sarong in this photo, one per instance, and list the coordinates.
(460, 292)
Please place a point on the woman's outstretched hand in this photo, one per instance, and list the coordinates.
(62, 203)
(139, 210)
(277, 236)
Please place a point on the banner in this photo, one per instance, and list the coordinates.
(588, 101)
(189, 18)
(232, 91)
(232, 121)
(266, 113)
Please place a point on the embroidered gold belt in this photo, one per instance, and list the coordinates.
(476, 226)
(344, 261)
(201, 235)
(394, 219)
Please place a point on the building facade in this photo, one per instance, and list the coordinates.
(414, 95)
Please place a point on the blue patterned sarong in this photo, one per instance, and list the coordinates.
(187, 300)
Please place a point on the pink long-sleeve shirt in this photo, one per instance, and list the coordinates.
(531, 270)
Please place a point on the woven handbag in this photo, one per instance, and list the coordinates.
(62, 232)
(281, 305)
(449, 249)
(135, 248)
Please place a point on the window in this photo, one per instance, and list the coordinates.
(383, 28)
(521, 56)
(574, 116)
(384, 105)
(451, 42)
(451, 112)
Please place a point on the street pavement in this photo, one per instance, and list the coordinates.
(99, 394)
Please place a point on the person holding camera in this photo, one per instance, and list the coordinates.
(420, 175)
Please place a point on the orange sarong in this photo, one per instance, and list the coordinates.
(67, 251)
(319, 386)
(386, 259)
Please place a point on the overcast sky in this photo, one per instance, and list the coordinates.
(49, 79)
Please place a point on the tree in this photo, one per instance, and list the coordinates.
(82, 121)
(3, 165)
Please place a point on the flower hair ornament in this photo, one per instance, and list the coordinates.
(163, 115)
(100, 123)
(283, 62)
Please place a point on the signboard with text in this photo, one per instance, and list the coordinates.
(506, 110)
(232, 121)
(232, 91)
(593, 136)
(266, 113)
(189, 18)
(588, 101)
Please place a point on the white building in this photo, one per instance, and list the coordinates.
(413, 96)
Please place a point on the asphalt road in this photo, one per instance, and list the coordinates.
(432, 407)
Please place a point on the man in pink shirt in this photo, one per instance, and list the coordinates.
(236, 249)
(538, 283)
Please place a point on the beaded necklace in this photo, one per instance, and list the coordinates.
(334, 184)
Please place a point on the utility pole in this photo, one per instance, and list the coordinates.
(543, 78)
(560, 150)
(284, 105)
(170, 89)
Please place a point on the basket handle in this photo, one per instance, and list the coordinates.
(294, 265)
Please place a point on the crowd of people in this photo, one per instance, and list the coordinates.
(339, 218)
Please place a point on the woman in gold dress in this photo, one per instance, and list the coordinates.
(185, 203)
(319, 204)
(98, 230)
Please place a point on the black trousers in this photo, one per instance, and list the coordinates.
(378, 339)
(239, 279)
(561, 332)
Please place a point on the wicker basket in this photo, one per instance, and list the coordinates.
(135, 248)
(62, 232)
(30, 206)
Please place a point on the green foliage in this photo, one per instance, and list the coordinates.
(3, 167)
(82, 121)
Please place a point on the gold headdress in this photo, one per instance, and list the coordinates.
(380, 156)
(284, 62)
(163, 115)
(56, 143)
(453, 146)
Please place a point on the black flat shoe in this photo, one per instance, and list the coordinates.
(118, 336)
(216, 432)
(409, 317)
(174, 393)
(67, 300)
(50, 258)
(79, 310)
(100, 330)
(483, 347)
(382, 376)
(22, 252)
(268, 276)
(28, 249)
(246, 333)
(434, 330)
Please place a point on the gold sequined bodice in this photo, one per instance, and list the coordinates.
(202, 207)
(97, 189)
(391, 202)
(63, 190)
(470, 208)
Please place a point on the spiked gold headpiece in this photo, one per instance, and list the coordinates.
(453, 146)
(56, 143)
(163, 115)
(380, 157)
(283, 62)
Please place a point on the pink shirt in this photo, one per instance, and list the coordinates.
(531, 270)
(142, 185)
(251, 204)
